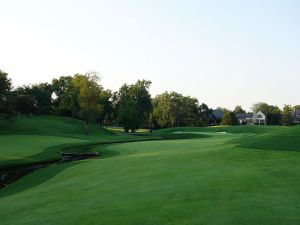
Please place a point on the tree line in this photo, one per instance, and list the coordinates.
(82, 96)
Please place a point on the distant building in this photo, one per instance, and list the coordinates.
(252, 118)
(296, 115)
(218, 113)
(245, 118)
(259, 118)
(217, 116)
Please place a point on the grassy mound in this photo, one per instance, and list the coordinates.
(40, 138)
(49, 125)
(284, 139)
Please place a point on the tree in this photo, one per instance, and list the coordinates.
(205, 115)
(5, 84)
(174, 109)
(5, 98)
(287, 115)
(165, 109)
(296, 107)
(107, 106)
(89, 97)
(229, 118)
(25, 104)
(59, 87)
(69, 102)
(128, 116)
(41, 93)
(238, 110)
(136, 95)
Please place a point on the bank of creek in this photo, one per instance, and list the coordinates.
(10, 175)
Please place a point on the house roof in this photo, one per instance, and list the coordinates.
(242, 116)
(218, 113)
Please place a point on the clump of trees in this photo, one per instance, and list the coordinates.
(133, 105)
(173, 109)
(82, 96)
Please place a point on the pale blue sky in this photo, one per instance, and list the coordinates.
(225, 53)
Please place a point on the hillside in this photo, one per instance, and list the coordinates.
(33, 139)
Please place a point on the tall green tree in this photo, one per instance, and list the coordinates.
(128, 116)
(59, 87)
(238, 110)
(164, 109)
(5, 84)
(69, 102)
(229, 118)
(89, 97)
(287, 115)
(136, 95)
(174, 109)
(205, 115)
(42, 95)
(5, 97)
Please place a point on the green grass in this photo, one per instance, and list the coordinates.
(16, 149)
(50, 125)
(239, 177)
(26, 140)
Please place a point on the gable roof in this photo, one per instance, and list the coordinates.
(218, 113)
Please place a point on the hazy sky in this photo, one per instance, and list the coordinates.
(225, 53)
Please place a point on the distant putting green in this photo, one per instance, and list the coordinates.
(244, 176)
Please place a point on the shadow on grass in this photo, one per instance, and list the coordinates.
(35, 178)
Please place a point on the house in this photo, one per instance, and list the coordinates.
(218, 113)
(258, 118)
(245, 118)
(296, 115)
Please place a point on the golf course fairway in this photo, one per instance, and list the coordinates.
(220, 175)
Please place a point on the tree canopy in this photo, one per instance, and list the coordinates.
(135, 99)
(287, 115)
(229, 118)
(174, 109)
